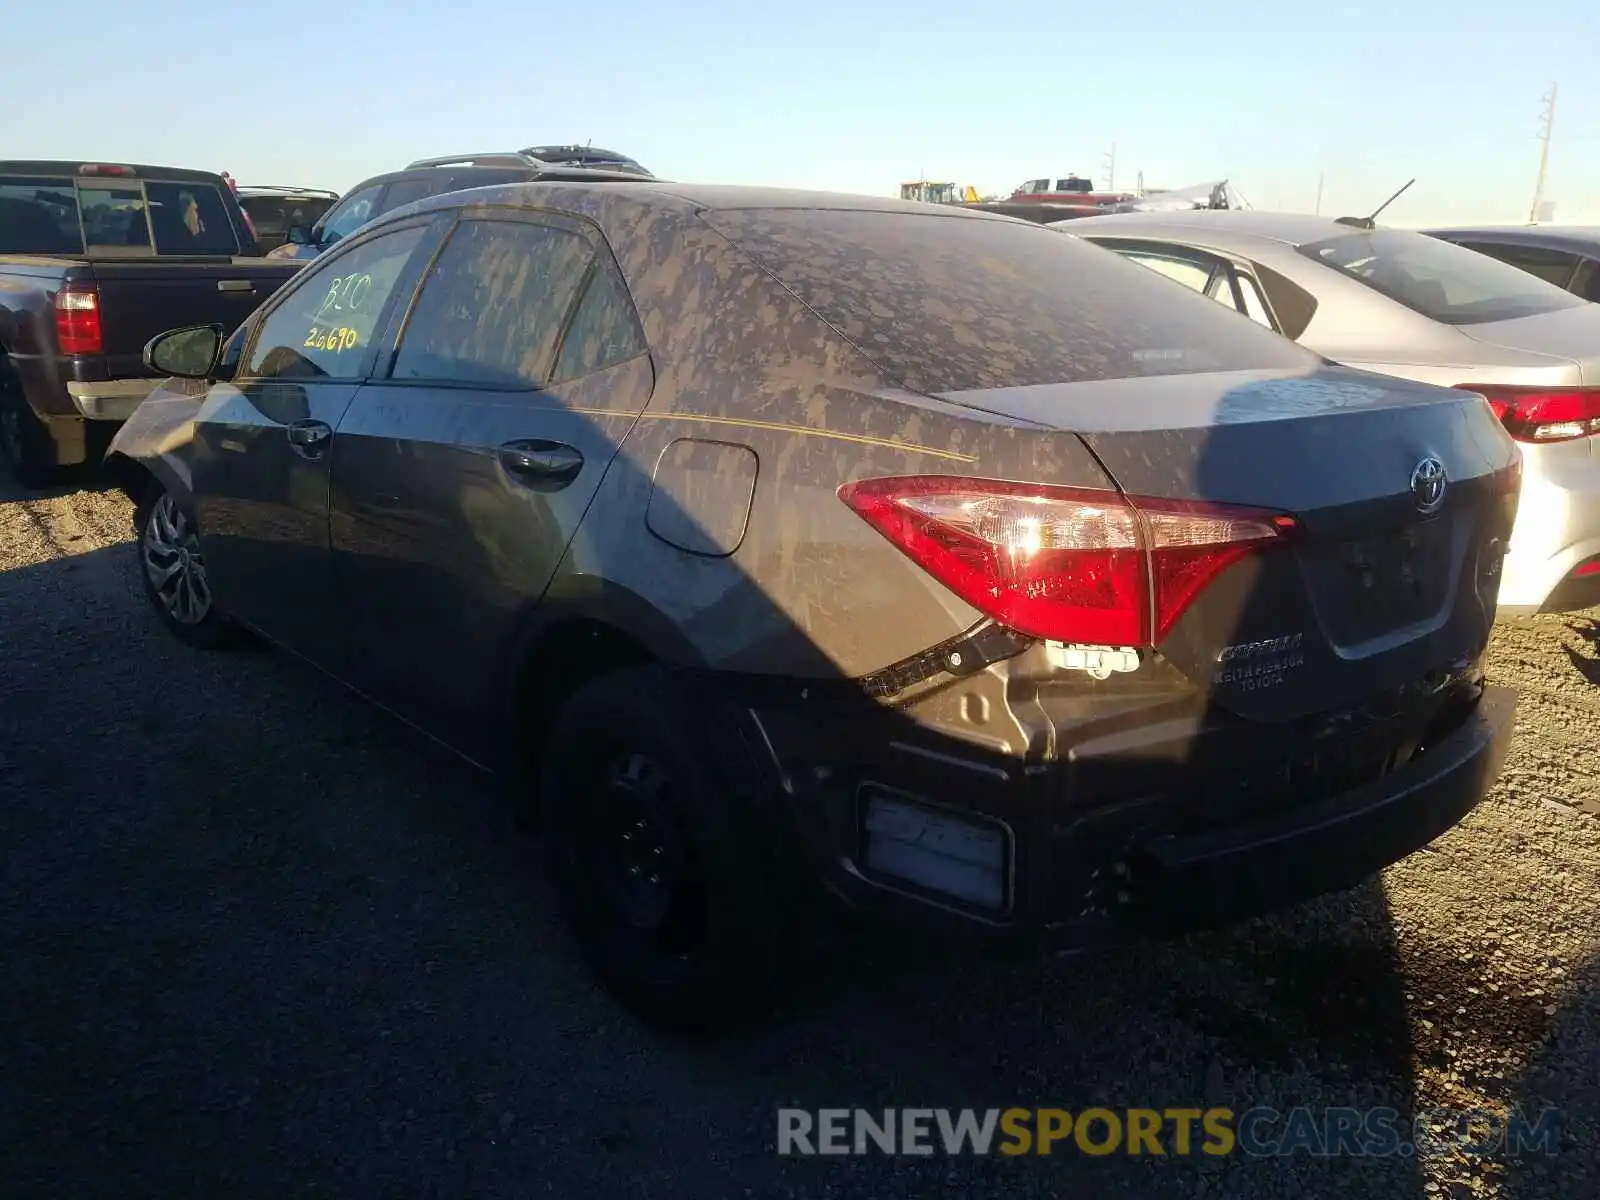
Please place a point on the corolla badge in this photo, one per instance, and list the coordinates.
(1427, 485)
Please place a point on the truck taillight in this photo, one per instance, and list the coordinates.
(78, 319)
(1543, 414)
(1065, 564)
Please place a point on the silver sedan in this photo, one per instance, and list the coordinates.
(1405, 304)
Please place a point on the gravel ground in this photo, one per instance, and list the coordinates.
(260, 942)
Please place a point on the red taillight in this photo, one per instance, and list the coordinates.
(1587, 570)
(1066, 564)
(1543, 414)
(78, 319)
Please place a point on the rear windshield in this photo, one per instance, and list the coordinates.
(1440, 280)
(273, 215)
(48, 215)
(952, 303)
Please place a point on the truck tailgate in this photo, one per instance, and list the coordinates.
(139, 299)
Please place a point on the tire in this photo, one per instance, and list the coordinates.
(173, 572)
(649, 803)
(25, 444)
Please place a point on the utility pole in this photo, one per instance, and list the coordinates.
(1547, 123)
(1111, 168)
(1319, 195)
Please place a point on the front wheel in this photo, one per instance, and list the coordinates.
(172, 567)
(650, 801)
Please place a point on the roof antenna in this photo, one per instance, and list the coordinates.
(1371, 222)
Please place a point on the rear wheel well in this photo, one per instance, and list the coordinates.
(564, 657)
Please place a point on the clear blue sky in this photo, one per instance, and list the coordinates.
(855, 96)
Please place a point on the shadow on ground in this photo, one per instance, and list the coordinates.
(261, 941)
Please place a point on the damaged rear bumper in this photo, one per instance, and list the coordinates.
(960, 843)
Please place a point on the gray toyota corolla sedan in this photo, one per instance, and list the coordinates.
(803, 555)
(1413, 306)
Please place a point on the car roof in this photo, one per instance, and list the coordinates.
(276, 189)
(712, 197)
(1560, 237)
(498, 170)
(72, 166)
(1292, 229)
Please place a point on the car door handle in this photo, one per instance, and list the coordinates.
(235, 285)
(541, 465)
(308, 437)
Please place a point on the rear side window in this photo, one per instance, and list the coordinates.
(956, 303)
(404, 191)
(1440, 280)
(59, 216)
(38, 215)
(440, 180)
(1552, 266)
(493, 305)
(189, 218)
(604, 329)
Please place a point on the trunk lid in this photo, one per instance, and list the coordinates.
(1572, 334)
(143, 297)
(1372, 593)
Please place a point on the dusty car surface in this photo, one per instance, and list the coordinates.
(1414, 306)
(821, 555)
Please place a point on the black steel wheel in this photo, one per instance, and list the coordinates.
(647, 801)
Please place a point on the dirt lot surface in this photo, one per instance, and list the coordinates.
(258, 941)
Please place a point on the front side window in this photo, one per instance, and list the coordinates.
(322, 328)
(493, 306)
(1442, 281)
(349, 215)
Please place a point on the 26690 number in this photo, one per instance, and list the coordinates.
(337, 340)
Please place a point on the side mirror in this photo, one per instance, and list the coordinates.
(300, 235)
(188, 353)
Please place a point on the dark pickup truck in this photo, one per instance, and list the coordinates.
(96, 259)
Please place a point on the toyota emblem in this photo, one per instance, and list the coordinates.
(1427, 485)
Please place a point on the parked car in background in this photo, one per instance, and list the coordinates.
(1406, 304)
(1567, 256)
(1028, 613)
(95, 259)
(274, 210)
(434, 176)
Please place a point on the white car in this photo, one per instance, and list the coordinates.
(1405, 304)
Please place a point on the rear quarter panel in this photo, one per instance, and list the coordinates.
(747, 373)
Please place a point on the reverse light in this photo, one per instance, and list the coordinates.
(77, 307)
(1543, 414)
(1064, 564)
